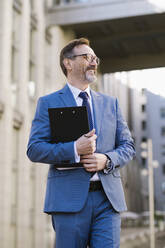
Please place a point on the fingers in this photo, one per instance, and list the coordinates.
(90, 167)
(89, 162)
(86, 144)
(89, 134)
(93, 162)
(87, 157)
(93, 137)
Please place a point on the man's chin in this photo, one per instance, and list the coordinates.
(91, 79)
(90, 76)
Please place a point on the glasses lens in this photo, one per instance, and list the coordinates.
(97, 60)
(90, 58)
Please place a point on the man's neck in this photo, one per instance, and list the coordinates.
(80, 85)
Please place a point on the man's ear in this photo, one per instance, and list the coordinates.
(67, 64)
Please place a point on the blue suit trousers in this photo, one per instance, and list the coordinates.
(97, 225)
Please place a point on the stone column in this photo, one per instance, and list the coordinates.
(5, 121)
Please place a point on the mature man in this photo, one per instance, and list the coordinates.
(85, 203)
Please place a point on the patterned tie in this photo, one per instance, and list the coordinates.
(84, 96)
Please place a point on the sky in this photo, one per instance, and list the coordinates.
(151, 79)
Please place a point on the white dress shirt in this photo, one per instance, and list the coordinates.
(75, 91)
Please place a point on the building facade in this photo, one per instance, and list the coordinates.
(118, 85)
(148, 120)
(29, 68)
(156, 131)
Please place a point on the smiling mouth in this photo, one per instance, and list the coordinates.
(91, 71)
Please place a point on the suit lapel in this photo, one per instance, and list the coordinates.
(97, 102)
(67, 97)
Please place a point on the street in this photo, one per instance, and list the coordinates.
(139, 238)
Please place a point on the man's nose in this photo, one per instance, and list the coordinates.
(93, 62)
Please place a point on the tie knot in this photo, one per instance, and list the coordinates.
(83, 95)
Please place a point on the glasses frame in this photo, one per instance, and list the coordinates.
(85, 55)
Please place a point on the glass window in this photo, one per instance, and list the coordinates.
(163, 169)
(162, 112)
(144, 139)
(144, 125)
(163, 131)
(163, 187)
(143, 161)
(143, 107)
(163, 150)
(143, 91)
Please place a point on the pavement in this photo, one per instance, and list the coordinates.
(139, 238)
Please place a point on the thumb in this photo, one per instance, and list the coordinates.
(91, 133)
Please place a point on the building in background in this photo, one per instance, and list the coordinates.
(118, 85)
(155, 110)
(148, 121)
(139, 125)
(29, 68)
(142, 100)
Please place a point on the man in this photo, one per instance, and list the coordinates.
(85, 203)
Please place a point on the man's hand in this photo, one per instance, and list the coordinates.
(86, 144)
(93, 162)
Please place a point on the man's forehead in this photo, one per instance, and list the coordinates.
(83, 49)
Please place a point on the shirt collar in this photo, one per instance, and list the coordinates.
(75, 91)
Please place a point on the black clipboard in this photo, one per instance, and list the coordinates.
(68, 123)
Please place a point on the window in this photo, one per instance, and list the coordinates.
(143, 108)
(143, 161)
(163, 150)
(143, 125)
(163, 187)
(144, 139)
(163, 169)
(143, 91)
(162, 112)
(163, 131)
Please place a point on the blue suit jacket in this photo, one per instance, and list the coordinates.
(67, 190)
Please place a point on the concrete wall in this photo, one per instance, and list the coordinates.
(100, 10)
(29, 68)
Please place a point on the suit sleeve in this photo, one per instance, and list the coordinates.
(124, 149)
(40, 148)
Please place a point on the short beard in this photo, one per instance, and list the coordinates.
(90, 78)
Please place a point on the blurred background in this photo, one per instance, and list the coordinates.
(129, 38)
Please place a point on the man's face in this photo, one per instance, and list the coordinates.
(84, 67)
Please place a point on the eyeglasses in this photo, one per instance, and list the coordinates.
(89, 57)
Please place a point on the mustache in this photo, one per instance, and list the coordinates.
(92, 67)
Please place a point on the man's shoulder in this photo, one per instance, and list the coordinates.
(105, 96)
(51, 95)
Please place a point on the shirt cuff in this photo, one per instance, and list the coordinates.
(77, 157)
